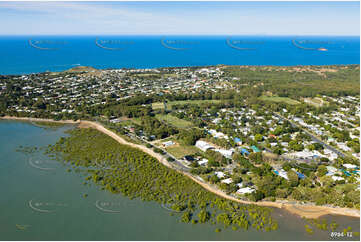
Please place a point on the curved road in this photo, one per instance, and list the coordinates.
(322, 210)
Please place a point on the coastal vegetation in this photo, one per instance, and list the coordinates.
(322, 224)
(261, 121)
(122, 169)
(27, 149)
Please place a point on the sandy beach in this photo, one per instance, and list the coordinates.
(41, 120)
(298, 209)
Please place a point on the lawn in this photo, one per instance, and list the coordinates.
(180, 151)
(160, 142)
(172, 120)
(280, 99)
(317, 102)
(160, 105)
(137, 121)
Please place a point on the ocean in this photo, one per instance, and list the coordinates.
(32, 54)
(41, 200)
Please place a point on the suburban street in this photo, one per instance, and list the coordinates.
(313, 137)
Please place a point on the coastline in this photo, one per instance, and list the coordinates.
(308, 211)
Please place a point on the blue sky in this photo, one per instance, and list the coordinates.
(204, 18)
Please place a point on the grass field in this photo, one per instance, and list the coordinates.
(317, 102)
(160, 105)
(129, 121)
(280, 99)
(172, 120)
(137, 121)
(180, 151)
(177, 150)
(159, 142)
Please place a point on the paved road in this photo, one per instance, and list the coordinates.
(313, 137)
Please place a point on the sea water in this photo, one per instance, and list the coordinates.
(41, 200)
(32, 54)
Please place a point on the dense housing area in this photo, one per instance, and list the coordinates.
(287, 134)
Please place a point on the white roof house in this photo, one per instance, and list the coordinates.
(219, 135)
(344, 146)
(203, 162)
(219, 174)
(116, 120)
(356, 155)
(227, 181)
(212, 131)
(284, 144)
(245, 190)
(281, 173)
(350, 166)
(303, 154)
(331, 169)
(225, 153)
(168, 143)
(204, 146)
(330, 154)
(216, 120)
(337, 178)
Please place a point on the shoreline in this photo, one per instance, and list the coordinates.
(178, 67)
(308, 211)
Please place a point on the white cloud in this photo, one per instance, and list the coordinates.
(115, 18)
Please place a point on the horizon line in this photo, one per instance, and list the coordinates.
(164, 35)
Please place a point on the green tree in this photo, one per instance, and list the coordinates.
(203, 216)
(258, 137)
(321, 171)
(186, 217)
(256, 157)
(293, 178)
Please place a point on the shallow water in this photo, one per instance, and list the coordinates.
(41, 200)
